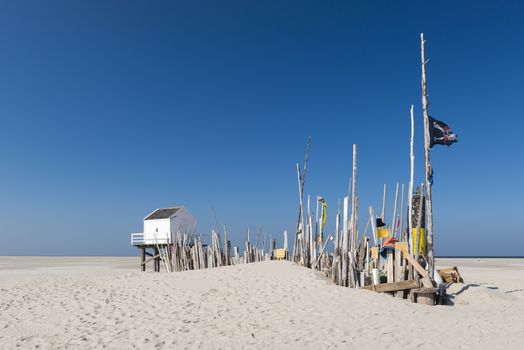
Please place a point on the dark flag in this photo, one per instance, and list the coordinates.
(440, 133)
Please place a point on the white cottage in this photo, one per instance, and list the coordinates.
(162, 225)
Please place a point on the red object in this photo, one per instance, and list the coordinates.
(390, 242)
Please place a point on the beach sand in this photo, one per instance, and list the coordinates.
(92, 302)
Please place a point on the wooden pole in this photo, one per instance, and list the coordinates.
(411, 181)
(383, 215)
(226, 247)
(309, 232)
(394, 220)
(142, 258)
(402, 237)
(373, 225)
(345, 243)
(302, 180)
(429, 209)
(354, 221)
(300, 224)
(258, 236)
(317, 226)
(354, 211)
(420, 207)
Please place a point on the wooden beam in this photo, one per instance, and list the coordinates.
(426, 281)
(148, 260)
(392, 287)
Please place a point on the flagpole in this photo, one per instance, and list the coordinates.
(429, 206)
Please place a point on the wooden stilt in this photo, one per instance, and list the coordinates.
(142, 258)
(157, 259)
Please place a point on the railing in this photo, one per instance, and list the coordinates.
(138, 239)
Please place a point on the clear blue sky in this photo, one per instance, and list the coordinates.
(110, 109)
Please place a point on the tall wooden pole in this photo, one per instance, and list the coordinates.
(354, 205)
(411, 175)
(354, 223)
(394, 220)
(383, 214)
(345, 242)
(401, 229)
(373, 225)
(429, 210)
(302, 180)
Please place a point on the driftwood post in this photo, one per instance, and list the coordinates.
(373, 226)
(394, 220)
(336, 252)
(317, 228)
(383, 214)
(402, 236)
(429, 226)
(420, 208)
(411, 182)
(226, 247)
(354, 219)
(345, 243)
(302, 180)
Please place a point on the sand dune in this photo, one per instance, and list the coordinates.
(107, 303)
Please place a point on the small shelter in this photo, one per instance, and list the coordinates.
(162, 225)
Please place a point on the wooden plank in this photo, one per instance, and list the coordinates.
(392, 287)
(390, 266)
(402, 246)
(374, 252)
(399, 271)
(426, 281)
(148, 260)
(451, 275)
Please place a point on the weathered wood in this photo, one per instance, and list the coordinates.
(401, 229)
(420, 208)
(390, 265)
(383, 214)
(373, 225)
(394, 219)
(392, 287)
(399, 269)
(451, 275)
(411, 180)
(426, 296)
(157, 259)
(302, 181)
(142, 258)
(354, 221)
(148, 260)
(429, 171)
(361, 254)
(426, 281)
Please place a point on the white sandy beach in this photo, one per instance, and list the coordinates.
(107, 303)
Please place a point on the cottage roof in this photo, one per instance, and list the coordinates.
(162, 213)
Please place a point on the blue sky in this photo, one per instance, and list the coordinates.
(110, 109)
